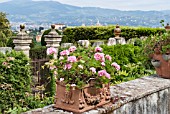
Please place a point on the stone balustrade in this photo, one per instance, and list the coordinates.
(146, 95)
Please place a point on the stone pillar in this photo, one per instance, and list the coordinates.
(22, 41)
(53, 39)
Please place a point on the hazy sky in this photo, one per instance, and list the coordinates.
(120, 4)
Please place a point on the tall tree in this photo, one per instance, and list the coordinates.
(5, 30)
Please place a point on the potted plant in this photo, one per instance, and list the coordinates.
(82, 77)
(158, 49)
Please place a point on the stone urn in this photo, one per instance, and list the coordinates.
(117, 32)
(167, 27)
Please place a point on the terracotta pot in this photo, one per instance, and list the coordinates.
(80, 100)
(164, 68)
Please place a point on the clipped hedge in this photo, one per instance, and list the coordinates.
(15, 79)
(38, 52)
(105, 32)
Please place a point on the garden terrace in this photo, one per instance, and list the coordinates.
(143, 95)
(146, 95)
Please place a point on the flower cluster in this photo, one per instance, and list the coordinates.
(76, 66)
(6, 63)
(51, 50)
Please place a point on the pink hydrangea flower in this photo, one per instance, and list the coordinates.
(72, 59)
(93, 69)
(67, 66)
(107, 75)
(98, 49)
(108, 57)
(51, 50)
(72, 48)
(114, 64)
(102, 72)
(99, 57)
(102, 63)
(64, 52)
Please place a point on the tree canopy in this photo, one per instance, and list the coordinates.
(5, 30)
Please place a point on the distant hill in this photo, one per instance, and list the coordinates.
(55, 12)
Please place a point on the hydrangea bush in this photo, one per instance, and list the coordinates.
(76, 66)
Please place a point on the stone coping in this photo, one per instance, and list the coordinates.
(121, 94)
(5, 49)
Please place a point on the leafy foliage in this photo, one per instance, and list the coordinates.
(160, 41)
(15, 83)
(15, 79)
(131, 61)
(5, 32)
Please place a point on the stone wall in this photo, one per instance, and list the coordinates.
(147, 95)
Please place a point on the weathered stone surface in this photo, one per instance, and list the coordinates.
(98, 43)
(66, 45)
(121, 41)
(5, 49)
(53, 39)
(147, 95)
(84, 43)
(111, 41)
(22, 41)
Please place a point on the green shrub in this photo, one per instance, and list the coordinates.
(15, 83)
(105, 32)
(124, 54)
(38, 52)
(130, 59)
(15, 79)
